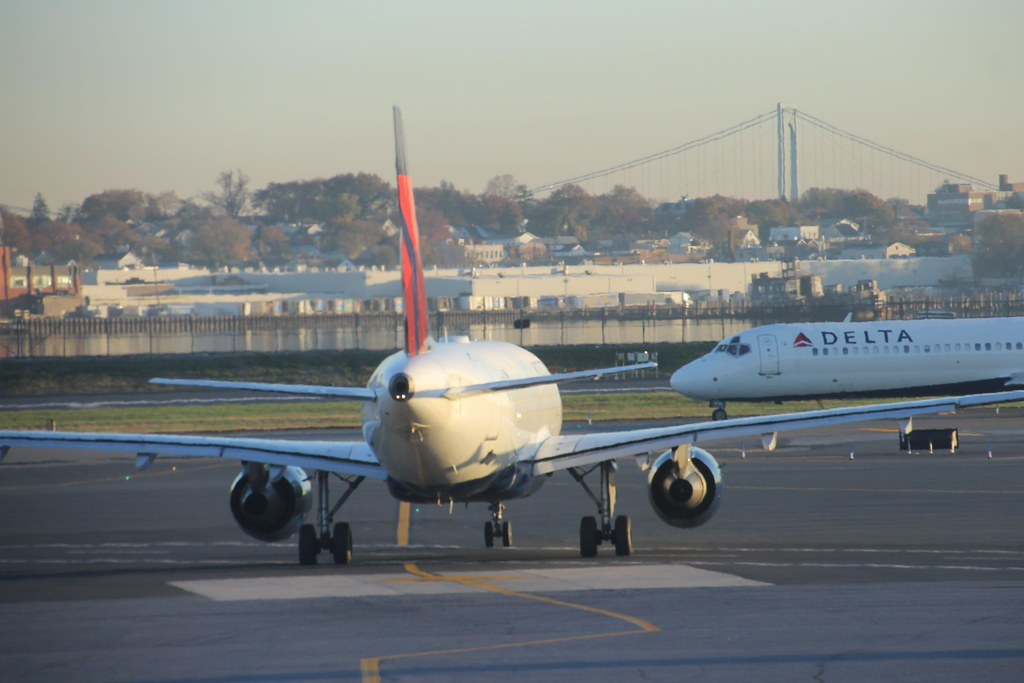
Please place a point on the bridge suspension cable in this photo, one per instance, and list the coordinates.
(890, 151)
(775, 116)
(699, 142)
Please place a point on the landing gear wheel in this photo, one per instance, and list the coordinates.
(719, 414)
(622, 536)
(341, 543)
(588, 537)
(309, 544)
(506, 534)
(489, 534)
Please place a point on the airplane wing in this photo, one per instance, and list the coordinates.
(352, 393)
(342, 457)
(562, 452)
(505, 385)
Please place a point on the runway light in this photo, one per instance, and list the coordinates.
(127, 477)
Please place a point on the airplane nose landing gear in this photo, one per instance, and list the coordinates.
(497, 528)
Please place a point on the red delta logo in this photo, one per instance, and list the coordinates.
(801, 341)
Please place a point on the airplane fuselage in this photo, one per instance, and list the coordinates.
(439, 444)
(890, 358)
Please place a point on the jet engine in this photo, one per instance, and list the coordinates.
(270, 503)
(685, 486)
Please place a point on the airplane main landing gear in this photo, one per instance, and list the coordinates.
(337, 541)
(592, 534)
(497, 528)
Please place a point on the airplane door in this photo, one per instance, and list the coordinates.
(768, 348)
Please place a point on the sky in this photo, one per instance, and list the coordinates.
(162, 95)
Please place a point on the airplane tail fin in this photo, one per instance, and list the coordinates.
(413, 292)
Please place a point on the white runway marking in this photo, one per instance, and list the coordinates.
(520, 580)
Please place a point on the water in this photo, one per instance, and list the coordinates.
(554, 333)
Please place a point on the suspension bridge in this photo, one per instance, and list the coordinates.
(777, 154)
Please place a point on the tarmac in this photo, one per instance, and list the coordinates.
(836, 557)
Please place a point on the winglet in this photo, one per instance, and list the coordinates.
(413, 292)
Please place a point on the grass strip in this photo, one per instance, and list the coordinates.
(658, 405)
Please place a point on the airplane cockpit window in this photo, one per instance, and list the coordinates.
(733, 348)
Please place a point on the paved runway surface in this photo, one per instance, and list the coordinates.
(886, 567)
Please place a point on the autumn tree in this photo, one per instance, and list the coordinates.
(351, 238)
(122, 205)
(711, 217)
(15, 233)
(772, 213)
(220, 242)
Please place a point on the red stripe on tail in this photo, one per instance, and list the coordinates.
(413, 292)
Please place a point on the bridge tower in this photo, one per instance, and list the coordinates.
(781, 112)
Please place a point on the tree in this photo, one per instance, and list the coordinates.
(233, 194)
(122, 205)
(504, 186)
(772, 213)
(351, 238)
(15, 232)
(40, 211)
(567, 211)
(271, 241)
(711, 217)
(220, 242)
(1000, 250)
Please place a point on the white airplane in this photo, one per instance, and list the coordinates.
(459, 421)
(892, 358)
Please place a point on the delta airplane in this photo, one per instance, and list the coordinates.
(891, 358)
(459, 421)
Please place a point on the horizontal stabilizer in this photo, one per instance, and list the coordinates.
(349, 393)
(504, 385)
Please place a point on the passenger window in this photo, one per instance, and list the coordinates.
(814, 352)
(999, 346)
(906, 348)
(927, 348)
(946, 348)
(846, 351)
(956, 347)
(988, 346)
(977, 347)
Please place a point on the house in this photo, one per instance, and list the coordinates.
(680, 243)
(840, 231)
(487, 253)
(793, 233)
(899, 250)
(869, 251)
(125, 261)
